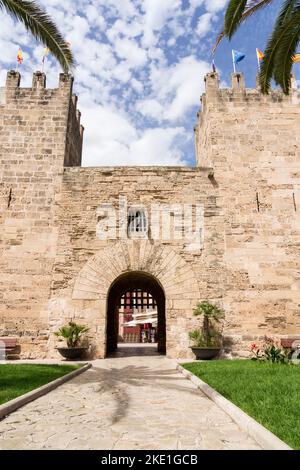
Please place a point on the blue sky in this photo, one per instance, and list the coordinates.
(140, 68)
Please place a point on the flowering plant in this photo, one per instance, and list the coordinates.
(271, 351)
(258, 354)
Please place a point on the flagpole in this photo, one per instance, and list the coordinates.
(258, 61)
(233, 62)
(213, 66)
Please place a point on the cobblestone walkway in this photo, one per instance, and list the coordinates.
(128, 402)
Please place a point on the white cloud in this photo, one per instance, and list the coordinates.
(113, 140)
(109, 124)
(129, 50)
(139, 72)
(121, 29)
(186, 82)
(157, 147)
(157, 14)
(215, 5)
(211, 6)
(151, 108)
(94, 18)
(204, 24)
(176, 89)
(137, 85)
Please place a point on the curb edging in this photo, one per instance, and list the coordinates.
(259, 433)
(22, 400)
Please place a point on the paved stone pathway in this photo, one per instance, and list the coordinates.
(128, 402)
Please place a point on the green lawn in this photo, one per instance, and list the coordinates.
(17, 379)
(270, 393)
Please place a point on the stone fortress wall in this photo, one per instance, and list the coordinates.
(54, 267)
(253, 144)
(86, 266)
(33, 150)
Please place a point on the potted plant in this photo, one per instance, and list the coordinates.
(72, 333)
(207, 341)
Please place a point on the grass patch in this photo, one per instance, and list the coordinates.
(17, 379)
(270, 393)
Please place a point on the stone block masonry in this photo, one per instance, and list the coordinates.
(253, 143)
(54, 266)
(38, 132)
(94, 264)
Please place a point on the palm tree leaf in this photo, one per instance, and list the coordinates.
(288, 47)
(280, 30)
(286, 12)
(251, 7)
(233, 16)
(42, 27)
(220, 36)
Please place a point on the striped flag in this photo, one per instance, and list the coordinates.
(296, 58)
(260, 55)
(20, 56)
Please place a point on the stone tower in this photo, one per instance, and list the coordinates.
(40, 132)
(252, 142)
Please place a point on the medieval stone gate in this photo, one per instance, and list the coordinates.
(156, 268)
(245, 253)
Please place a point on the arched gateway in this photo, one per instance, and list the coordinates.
(143, 284)
(138, 264)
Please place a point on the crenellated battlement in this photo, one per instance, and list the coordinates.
(238, 93)
(242, 124)
(13, 89)
(41, 109)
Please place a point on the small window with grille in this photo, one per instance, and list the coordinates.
(137, 223)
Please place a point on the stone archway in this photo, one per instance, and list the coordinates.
(128, 282)
(172, 272)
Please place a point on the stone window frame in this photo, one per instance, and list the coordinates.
(137, 222)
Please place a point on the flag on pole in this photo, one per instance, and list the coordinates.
(213, 66)
(46, 53)
(20, 56)
(236, 58)
(260, 55)
(296, 58)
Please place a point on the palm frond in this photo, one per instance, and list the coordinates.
(233, 16)
(39, 23)
(285, 53)
(280, 31)
(72, 333)
(251, 8)
(220, 36)
(209, 310)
